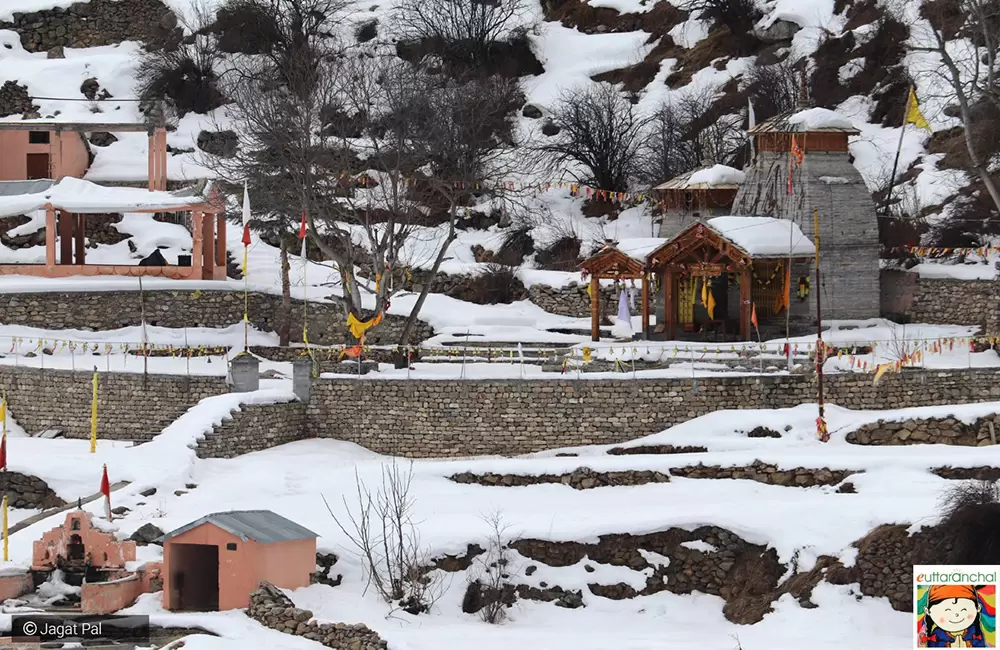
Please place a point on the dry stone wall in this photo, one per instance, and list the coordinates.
(272, 608)
(255, 427)
(93, 23)
(941, 300)
(428, 418)
(26, 491)
(929, 431)
(105, 310)
(572, 300)
(131, 407)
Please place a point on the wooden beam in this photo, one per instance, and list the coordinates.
(220, 241)
(197, 254)
(595, 308)
(669, 309)
(151, 162)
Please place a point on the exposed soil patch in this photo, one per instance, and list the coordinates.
(588, 19)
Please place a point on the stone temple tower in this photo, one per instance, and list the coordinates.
(779, 185)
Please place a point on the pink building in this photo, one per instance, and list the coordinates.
(215, 562)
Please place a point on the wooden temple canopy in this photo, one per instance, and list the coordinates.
(727, 246)
(611, 263)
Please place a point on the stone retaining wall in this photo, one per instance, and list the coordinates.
(107, 310)
(272, 608)
(929, 431)
(572, 300)
(93, 23)
(427, 418)
(255, 427)
(932, 300)
(25, 491)
(131, 407)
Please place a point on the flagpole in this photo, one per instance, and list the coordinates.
(93, 416)
(895, 167)
(6, 555)
(820, 346)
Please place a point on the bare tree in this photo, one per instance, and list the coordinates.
(716, 139)
(492, 580)
(381, 528)
(464, 31)
(773, 88)
(968, 70)
(601, 131)
(668, 151)
(185, 77)
(738, 15)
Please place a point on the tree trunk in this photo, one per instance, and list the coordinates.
(411, 320)
(285, 313)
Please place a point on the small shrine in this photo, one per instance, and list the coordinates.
(697, 195)
(78, 547)
(713, 279)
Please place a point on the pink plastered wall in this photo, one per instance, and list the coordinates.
(109, 597)
(105, 552)
(284, 564)
(14, 585)
(68, 155)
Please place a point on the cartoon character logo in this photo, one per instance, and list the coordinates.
(956, 616)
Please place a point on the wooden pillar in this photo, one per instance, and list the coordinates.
(595, 308)
(745, 304)
(669, 309)
(208, 247)
(197, 247)
(80, 239)
(152, 162)
(221, 259)
(162, 149)
(50, 236)
(645, 305)
(65, 237)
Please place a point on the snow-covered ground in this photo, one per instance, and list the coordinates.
(893, 485)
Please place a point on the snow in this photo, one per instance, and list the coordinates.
(938, 270)
(641, 247)
(764, 236)
(80, 196)
(688, 33)
(698, 545)
(717, 175)
(819, 119)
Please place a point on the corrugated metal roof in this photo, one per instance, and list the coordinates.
(780, 124)
(17, 188)
(261, 526)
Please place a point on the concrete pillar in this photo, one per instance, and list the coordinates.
(197, 234)
(302, 378)
(50, 236)
(244, 371)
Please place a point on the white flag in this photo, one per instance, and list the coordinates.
(752, 122)
(246, 205)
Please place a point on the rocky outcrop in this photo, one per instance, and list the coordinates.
(582, 478)
(14, 98)
(272, 608)
(656, 449)
(929, 431)
(324, 567)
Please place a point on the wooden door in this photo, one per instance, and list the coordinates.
(38, 166)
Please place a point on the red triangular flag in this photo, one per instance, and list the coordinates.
(3, 452)
(753, 316)
(106, 491)
(246, 235)
(302, 228)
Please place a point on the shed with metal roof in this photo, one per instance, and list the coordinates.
(215, 562)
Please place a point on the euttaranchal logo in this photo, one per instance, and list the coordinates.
(954, 606)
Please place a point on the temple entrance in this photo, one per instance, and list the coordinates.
(703, 307)
(74, 550)
(194, 577)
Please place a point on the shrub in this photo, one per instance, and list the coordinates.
(497, 284)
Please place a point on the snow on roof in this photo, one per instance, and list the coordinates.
(75, 195)
(261, 526)
(764, 236)
(640, 247)
(810, 119)
(714, 177)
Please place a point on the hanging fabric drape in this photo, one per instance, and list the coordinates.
(359, 328)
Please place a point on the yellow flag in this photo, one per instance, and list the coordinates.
(710, 306)
(93, 417)
(880, 371)
(913, 114)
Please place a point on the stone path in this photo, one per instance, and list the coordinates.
(45, 514)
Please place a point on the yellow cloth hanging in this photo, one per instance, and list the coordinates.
(710, 306)
(358, 328)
